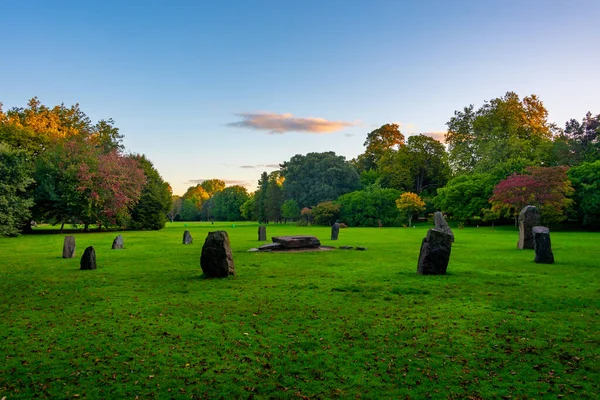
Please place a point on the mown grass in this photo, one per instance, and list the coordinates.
(311, 325)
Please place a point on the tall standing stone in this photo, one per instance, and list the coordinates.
(69, 247)
(335, 231)
(187, 238)
(442, 225)
(88, 260)
(262, 233)
(435, 253)
(118, 242)
(542, 245)
(216, 260)
(528, 218)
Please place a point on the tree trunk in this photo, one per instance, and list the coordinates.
(62, 226)
(86, 227)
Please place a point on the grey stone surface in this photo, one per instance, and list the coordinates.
(528, 218)
(187, 238)
(442, 225)
(335, 231)
(271, 246)
(216, 260)
(118, 242)
(435, 253)
(542, 245)
(346, 247)
(69, 247)
(262, 233)
(296, 242)
(88, 260)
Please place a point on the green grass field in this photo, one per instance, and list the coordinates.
(303, 325)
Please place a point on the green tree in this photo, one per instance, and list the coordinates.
(290, 210)
(420, 165)
(465, 197)
(387, 137)
(326, 213)
(586, 182)
(154, 204)
(248, 209)
(227, 203)
(260, 202)
(318, 177)
(213, 186)
(409, 204)
(189, 211)
(503, 128)
(175, 209)
(15, 177)
(582, 139)
(369, 207)
(274, 198)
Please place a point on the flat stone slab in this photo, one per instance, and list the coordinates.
(296, 242)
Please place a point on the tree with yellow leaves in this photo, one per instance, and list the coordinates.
(410, 203)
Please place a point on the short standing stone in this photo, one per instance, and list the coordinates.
(441, 224)
(528, 218)
(542, 245)
(435, 253)
(69, 247)
(118, 242)
(216, 260)
(335, 231)
(187, 238)
(262, 233)
(88, 260)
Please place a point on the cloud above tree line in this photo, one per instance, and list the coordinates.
(260, 166)
(282, 123)
(228, 182)
(440, 136)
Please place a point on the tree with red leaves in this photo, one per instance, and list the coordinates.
(545, 187)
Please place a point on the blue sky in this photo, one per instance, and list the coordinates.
(189, 83)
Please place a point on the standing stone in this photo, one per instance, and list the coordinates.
(442, 225)
(118, 242)
(88, 260)
(216, 260)
(528, 218)
(542, 245)
(69, 247)
(335, 231)
(262, 233)
(187, 238)
(435, 253)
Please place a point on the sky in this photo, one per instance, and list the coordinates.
(229, 89)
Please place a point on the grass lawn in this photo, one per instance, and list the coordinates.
(301, 325)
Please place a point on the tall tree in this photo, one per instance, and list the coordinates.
(15, 177)
(586, 182)
(274, 198)
(290, 210)
(583, 139)
(260, 197)
(318, 177)
(387, 137)
(227, 203)
(154, 204)
(503, 128)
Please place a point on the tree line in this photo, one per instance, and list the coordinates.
(496, 159)
(57, 166)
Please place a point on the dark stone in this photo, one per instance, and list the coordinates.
(528, 218)
(361, 248)
(346, 247)
(271, 246)
(187, 238)
(69, 247)
(441, 224)
(335, 231)
(297, 242)
(262, 233)
(88, 260)
(118, 242)
(435, 253)
(216, 260)
(542, 245)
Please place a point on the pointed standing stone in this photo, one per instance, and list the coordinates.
(262, 233)
(542, 245)
(187, 237)
(435, 253)
(69, 247)
(118, 242)
(88, 260)
(216, 260)
(528, 218)
(335, 231)
(441, 224)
